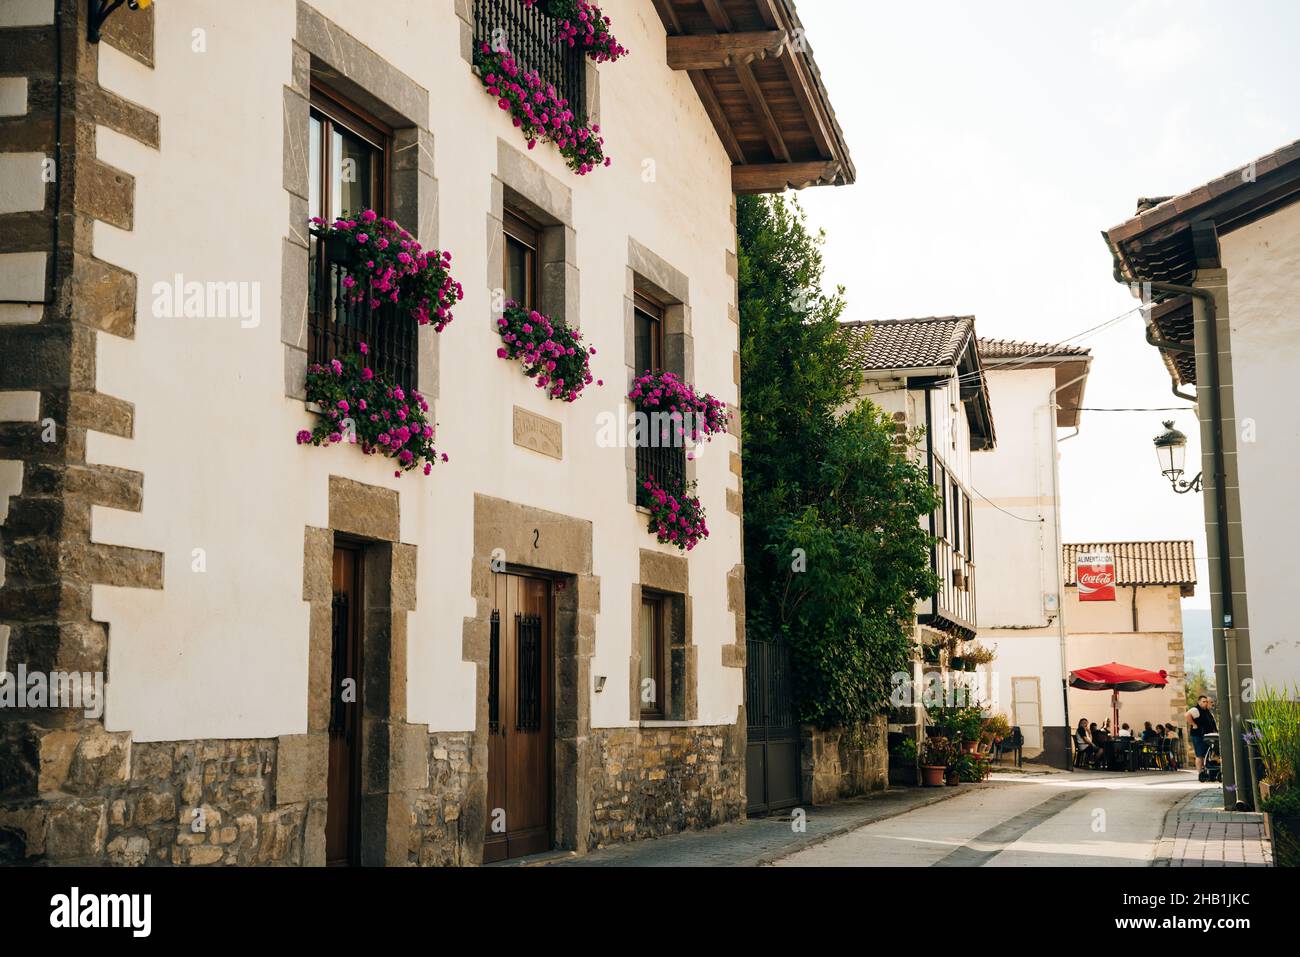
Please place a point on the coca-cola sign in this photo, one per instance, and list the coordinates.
(1095, 574)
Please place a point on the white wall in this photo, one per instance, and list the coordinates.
(1103, 631)
(224, 653)
(1017, 551)
(1263, 265)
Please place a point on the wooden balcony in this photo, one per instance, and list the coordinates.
(952, 607)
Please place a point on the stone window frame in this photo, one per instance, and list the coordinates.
(522, 185)
(667, 576)
(653, 276)
(516, 538)
(325, 51)
(394, 752)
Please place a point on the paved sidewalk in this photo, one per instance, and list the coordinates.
(1200, 833)
(758, 841)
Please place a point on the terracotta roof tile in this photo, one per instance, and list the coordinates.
(908, 343)
(1015, 349)
(1140, 563)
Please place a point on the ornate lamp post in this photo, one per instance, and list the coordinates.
(1171, 450)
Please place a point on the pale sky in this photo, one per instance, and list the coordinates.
(994, 141)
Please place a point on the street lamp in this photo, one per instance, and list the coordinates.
(1171, 450)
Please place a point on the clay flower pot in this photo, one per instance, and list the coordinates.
(932, 777)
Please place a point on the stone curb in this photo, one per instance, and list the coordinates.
(1164, 854)
(769, 858)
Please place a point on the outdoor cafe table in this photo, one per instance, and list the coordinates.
(1130, 756)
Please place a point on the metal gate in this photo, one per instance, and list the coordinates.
(772, 756)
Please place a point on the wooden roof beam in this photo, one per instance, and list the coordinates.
(762, 112)
(704, 89)
(775, 177)
(723, 49)
(717, 15)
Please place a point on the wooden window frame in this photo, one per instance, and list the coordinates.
(970, 531)
(956, 517)
(395, 350)
(656, 710)
(654, 311)
(516, 226)
(942, 524)
(334, 109)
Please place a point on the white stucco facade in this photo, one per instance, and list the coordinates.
(220, 650)
(1017, 519)
(1262, 263)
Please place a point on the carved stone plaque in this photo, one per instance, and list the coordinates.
(538, 433)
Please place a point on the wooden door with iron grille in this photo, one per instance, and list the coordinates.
(520, 718)
(343, 810)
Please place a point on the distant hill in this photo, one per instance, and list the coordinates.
(1198, 645)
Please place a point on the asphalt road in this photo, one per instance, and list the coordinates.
(1084, 819)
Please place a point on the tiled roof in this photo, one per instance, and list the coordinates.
(1013, 349)
(1140, 563)
(908, 343)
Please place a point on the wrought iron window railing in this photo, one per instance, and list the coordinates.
(528, 707)
(494, 674)
(659, 455)
(529, 34)
(336, 327)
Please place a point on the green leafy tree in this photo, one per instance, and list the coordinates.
(1198, 682)
(835, 555)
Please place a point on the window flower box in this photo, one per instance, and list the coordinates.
(550, 352)
(539, 111)
(358, 406)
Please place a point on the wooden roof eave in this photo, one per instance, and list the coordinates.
(729, 49)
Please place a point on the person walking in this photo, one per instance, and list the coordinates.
(1200, 722)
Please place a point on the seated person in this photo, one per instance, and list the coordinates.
(1148, 733)
(1174, 745)
(1083, 742)
(1099, 738)
(1125, 731)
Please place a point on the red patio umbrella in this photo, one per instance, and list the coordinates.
(1116, 678)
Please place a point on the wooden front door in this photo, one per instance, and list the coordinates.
(520, 719)
(343, 816)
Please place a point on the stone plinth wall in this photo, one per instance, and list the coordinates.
(105, 800)
(246, 802)
(838, 763)
(444, 818)
(647, 782)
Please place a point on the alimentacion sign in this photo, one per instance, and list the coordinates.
(1095, 573)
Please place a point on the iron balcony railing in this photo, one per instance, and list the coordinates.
(529, 34)
(661, 457)
(336, 327)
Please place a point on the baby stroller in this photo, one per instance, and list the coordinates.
(1213, 759)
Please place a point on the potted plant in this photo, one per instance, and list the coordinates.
(972, 767)
(1277, 739)
(385, 264)
(538, 111)
(358, 406)
(935, 758)
(903, 755)
(930, 654)
(995, 728)
(582, 25)
(957, 663)
(551, 353)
